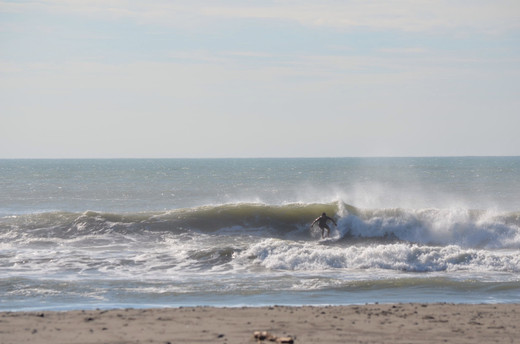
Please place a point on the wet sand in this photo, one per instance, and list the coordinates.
(388, 323)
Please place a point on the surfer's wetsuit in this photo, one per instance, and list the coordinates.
(322, 223)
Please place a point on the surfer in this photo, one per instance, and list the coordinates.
(322, 223)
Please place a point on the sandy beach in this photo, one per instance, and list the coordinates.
(373, 323)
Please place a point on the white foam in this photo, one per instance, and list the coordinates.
(300, 256)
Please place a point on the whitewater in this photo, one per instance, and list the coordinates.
(77, 234)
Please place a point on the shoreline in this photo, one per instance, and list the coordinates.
(371, 323)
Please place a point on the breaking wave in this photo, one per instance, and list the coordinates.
(439, 227)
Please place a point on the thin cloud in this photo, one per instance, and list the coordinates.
(489, 17)
(420, 16)
(404, 51)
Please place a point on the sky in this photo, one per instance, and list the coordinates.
(286, 78)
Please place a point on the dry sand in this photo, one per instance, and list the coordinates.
(398, 323)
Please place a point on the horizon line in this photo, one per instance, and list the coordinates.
(266, 157)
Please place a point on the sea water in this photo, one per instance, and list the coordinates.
(78, 234)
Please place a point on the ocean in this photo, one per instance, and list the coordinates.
(120, 233)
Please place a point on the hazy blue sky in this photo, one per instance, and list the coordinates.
(125, 78)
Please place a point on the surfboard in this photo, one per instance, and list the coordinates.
(326, 241)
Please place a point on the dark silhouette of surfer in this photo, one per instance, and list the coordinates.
(322, 223)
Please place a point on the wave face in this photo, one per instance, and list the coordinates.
(274, 220)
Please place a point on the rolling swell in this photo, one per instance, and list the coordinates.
(463, 227)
